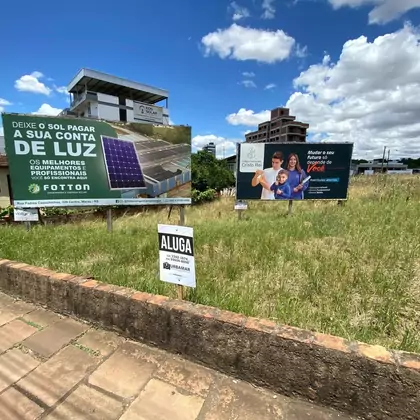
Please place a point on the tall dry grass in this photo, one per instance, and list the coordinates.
(352, 271)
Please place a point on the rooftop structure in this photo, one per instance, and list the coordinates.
(94, 94)
(282, 127)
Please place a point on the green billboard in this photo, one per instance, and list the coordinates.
(64, 161)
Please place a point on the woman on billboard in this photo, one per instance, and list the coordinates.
(297, 177)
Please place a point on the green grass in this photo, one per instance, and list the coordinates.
(352, 271)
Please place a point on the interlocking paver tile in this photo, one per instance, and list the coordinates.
(14, 332)
(87, 404)
(162, 401)
(53, 338)
(15, 406)
(122, 374)
(14, 365)
(54, 378)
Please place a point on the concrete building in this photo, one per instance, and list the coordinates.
(282, 127)
(211, 148)
(376, 166)
(99, 95)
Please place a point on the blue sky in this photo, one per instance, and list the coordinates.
(351, 68)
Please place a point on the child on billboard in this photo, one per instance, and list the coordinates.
(267, 177)
(281, 187)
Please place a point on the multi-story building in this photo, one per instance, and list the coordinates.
(282, 127)
(99, 95)
(211, 148)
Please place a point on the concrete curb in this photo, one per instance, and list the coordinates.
(369, 381)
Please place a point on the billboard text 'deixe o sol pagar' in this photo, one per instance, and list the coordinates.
(293, 171)
(59, 161)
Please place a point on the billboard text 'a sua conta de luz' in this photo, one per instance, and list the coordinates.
(59, 161)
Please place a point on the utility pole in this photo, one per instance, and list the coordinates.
(383, 160)
(387, 163)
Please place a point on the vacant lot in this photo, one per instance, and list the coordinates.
(352, 271)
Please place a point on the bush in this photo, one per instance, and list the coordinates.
(199, 197)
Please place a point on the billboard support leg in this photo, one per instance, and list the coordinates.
(28, 226)
(290, 208)
(179, 288)
(109, 220)
(340, 203)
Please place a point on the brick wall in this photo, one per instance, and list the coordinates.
(369, 381)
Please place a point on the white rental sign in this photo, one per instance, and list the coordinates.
(147, 112)
(25, 215)
(176, 255)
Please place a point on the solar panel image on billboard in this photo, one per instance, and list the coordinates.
(122, 164)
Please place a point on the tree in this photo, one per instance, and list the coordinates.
(209, 173)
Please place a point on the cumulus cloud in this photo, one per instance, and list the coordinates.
(1, 131)
(370, 96)
(239, 12)
(247, 117)
(248, 83)
(224, 146)
(269, 11)
(61, 89)
(383, 11)
(31, 83)
(3, 104)
(248, 74)
(46, 109)
(242, 43)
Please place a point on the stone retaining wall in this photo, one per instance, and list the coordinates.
(369, 381)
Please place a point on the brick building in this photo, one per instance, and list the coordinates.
(282, 127)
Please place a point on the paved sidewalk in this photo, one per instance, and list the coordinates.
(57, 368)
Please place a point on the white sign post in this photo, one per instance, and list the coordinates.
(176, 255)
(27, 216)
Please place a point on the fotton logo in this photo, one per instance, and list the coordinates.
(34, 188)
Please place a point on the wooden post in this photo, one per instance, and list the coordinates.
(109, 220)
(340, 203)
(239, 214)
(28, 226)
(180, 289)
(290, 209)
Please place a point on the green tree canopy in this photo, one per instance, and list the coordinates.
(207, 172)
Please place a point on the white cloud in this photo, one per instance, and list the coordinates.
(383, 11)
(269, 10)
(31, 83)
(239, 12)
(61, 89)
(241, 43)
(1, 131)
(46, 109)
(3, 104)
(300, 51)
(248, 74)
(224, 146)
(371, 96)
(248, 117)
(248, 83)
(270, 86)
